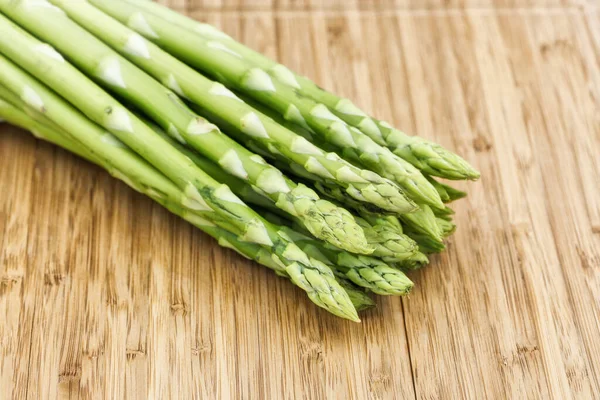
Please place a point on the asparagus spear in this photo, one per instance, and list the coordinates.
(387, 239)
(416, 261)
(318, 281)
(389, 245)
(426, 244)
(220, 104)
(427, 156)
(144, 178)
(447, 228)
(384, 232)
(360, 299)
(424, 222)
(364, 271)
(453, 193)
(227, 67)
(441, 189)
(155, 185)
(201, 191)
(444, 213)
(323, 219)
(411, 180)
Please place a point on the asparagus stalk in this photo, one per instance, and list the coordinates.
(364, 271)
(201, 191)
(322, 218)
(387, 240)
(417, 261)
(424, 222)
(426, 244)
(411, 179)
(144, 178)
(441, 189)
(222, 105)
(453, 193)
(446, 227)
(359, 297)
(389, 245)
(227, 66)
(427, 156)
(444, 213)
(152, 183)
(317, 280)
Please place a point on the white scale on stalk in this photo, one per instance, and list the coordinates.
(231, 163)
(138, 23)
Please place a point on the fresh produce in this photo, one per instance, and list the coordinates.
(320, 217)
(230, 69)
(261, 159)
(241, 120)
(427, 156)
(315, 278)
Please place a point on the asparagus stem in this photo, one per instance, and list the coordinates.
(389, 245)
(444, 213)
(367, 272)
(156, 183)
(407, 176)
(221, 105)
(112, 71)
(441, 189)
(424, 222)
(453, 193)
(425, 155)
(426, 244)
(446, 227)
(202, 193)
(417, 261)
(359, 297)
(151, 182)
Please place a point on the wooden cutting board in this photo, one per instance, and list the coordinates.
(105, 294)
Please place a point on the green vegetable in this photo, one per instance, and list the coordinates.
(424, 222)
(364, 271)
(416, 261)
(208, 195)
(261, 159)
(322, 218)
(232, 70)
(10, 113)
(244, 121)
(427, 156)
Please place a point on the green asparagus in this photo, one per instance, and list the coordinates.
(447, 228)
(215, 99)
(416, 261)
(453, 193)
(322, 218)
(208, 195)
(441, 189)
(427, 156)
(424, 222)
(364, 271)
(233, 71)
(153, 183)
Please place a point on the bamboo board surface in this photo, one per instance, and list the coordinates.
(103, 294)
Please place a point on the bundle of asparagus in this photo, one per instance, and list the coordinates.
(258, 157)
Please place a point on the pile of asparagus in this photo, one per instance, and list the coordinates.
(260, 158)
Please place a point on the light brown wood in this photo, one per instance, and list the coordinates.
(103, 294)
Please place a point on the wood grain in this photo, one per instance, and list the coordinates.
(103, 294)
